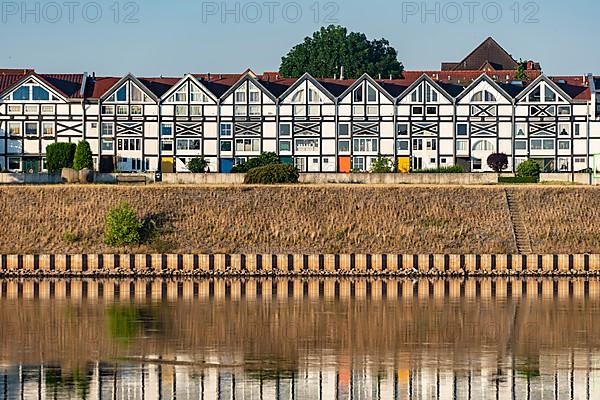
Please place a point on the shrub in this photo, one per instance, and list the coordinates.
(122, 226)
(381, 165)
(197, 165)
(529, 168)
(261, 161)
(59, 156)
(83, 156)
(457, 169)
(70, 237)
(518, 180)
(498, 162)
(272, 174)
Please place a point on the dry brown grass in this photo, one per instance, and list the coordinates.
(562, 220)
(271, 219)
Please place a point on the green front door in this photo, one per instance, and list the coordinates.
(31, 165)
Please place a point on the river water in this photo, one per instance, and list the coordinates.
(300, 339)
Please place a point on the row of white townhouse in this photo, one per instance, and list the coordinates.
(425, 120)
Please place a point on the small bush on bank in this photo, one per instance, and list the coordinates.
(457, 169)
(261, 161)
(529, 168)
(197, 165)
(518, 180)
(122, 226)
(59, 156)
(83, 156)
(498, 162)
(272, 174)
(381, 165)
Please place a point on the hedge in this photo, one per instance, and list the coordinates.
(518, 180)
(272, 174)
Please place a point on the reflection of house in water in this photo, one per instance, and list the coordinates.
(572, 375)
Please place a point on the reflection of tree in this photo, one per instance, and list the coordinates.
(77, 382)
(127, 322)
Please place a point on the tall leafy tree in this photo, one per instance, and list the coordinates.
(83, 156)
(331, 48)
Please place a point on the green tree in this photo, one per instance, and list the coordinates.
(122, 226)
(59, 156)
(83, 156)
(381, 165)
(197, 165)
(520, 75)
(498, 162)
(331, 48)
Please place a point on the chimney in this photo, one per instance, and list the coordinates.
(342, 73)
(530, 65)
(208, 76)
(335, 77)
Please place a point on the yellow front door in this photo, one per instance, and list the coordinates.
(404, 164)
(166, 165)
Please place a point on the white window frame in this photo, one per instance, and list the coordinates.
(107, 124)
(52, 127)
(18, 124)
(31, 123)
(226, 127)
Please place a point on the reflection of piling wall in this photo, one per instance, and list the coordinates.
(298, 263)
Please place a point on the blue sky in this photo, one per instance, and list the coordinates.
(172, 37)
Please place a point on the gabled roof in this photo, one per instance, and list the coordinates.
(577, 87)
(465, 78)
(252, 77)
(482, 78)
(488, 54)
(197, 80)
(153, 87)
(367, 77)
(436, 85)
(550, 82)
(302, 79)
(63, 85)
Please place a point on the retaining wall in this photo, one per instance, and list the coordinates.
(582, 179)
(299, 263)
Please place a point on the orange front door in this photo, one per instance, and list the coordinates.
(344, 164)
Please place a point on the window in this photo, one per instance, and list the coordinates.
(15, 109)
(431, 144)
(181, 95)
(344, 130)
(285, 145)
(285, 130)
(240, 110)
(549, 96)
(402, 129)
(417, 144)
(313, 96)
(372, 110)
(298, 97)
(166, 129)
(564, 110)
(483, 145)
(31, 109)
(564, 129)
(461, 130)
(358, 95)
(197, 95)
(166, 145)
(47, 109)
(196, 111)
(240, 96)
(542, 144)
(107, 145)
(520, 130)
(461, 145)
(247, 145)
(21, 93)
(536, 95)
(136, 110)
(188, 144)
(48, 128)
(358, 110)
(254, 111)
(358, 163)
(254, 96)
(344, 146)
(431, 110)
(181, 111)
(31, 92)
(107, 128)
(14, 164)
(371, 94)
(129, 144)
(14, 129)
(520, 144)
(483, 95)
(366, 145)
(108, 110)
(307, 145)
(577, 129)
(122, 110)
(225, 146)
(299, 110)
(477, 164)
(402, 145)
(225, 130)
(564, 145)
(31, 129)
(417, 110)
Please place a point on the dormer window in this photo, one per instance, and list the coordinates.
(31, 92)
(358, 95)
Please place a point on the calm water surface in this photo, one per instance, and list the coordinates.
(300, 339)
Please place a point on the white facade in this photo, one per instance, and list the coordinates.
(151, 124)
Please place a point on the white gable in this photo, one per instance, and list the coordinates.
(484, 92)
(32, 90)
(365, 93)
(425, 93)
(128, 92)
(189, 91)
(306, 92)
(542, 92)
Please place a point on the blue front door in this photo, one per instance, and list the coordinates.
(225, 165)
